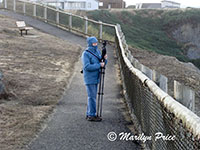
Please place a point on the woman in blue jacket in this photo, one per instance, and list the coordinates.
(91, 72)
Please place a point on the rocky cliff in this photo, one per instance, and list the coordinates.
(189, 35)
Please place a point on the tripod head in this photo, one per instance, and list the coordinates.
(104, 50)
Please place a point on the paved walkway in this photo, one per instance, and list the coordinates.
(67, 128)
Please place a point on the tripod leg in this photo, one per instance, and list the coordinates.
(99, 94)
(102, 91)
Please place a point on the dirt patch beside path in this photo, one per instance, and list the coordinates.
(36, 71)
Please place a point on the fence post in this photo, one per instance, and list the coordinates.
(129, 55)
(133, 61)
(138, 65)
(34, 10)
(161, 81)
(164, 83)
(57, 16)
(156, 77)
(123, 39)
(24, 8)
(45, 13)
(100, 30)
(147, 71)
(184, 95)
(14, 5)
(70, 22)
(86, 25)
(126, 46)
(127, 52)
(5, 4)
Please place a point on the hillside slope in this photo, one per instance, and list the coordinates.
(160, 31)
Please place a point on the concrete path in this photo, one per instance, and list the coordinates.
(67, 128)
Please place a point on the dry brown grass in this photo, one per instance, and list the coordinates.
(36, 71)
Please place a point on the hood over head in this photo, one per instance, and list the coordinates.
(91, 40)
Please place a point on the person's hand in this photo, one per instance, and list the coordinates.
(106, 56)
(102, 64)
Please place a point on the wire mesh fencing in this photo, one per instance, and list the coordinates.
(19, 6)
(1, 4)
(29, 9)
(64, 19)
(72, 22)
(40, 11)
(171, 125)
(93, 29)
(108, 32)
(9, 4)
(78, 23)
(51, 15)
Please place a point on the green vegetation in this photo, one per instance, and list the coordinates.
(176, 17)
(196, 62)
(149, 29)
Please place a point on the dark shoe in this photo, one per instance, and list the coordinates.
(98, 119)
(91, 118)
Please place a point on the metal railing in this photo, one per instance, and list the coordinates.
(154, 110)
(71, 22)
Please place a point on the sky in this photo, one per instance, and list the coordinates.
(184, 3)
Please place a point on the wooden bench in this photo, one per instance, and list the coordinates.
(22, 27)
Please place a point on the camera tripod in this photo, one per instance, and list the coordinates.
(100, 92)
(101, 82)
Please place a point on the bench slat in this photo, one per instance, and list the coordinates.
(28, 28)
(20, 24)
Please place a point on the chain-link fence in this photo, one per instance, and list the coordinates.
(69, 21)
(1, 5)
(19, 7)
(157, 113)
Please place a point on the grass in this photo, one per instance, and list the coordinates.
(196, 62)
(149, 29)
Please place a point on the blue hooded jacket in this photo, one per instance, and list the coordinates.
(91, 64)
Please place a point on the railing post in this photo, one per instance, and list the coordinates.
(70, 22)
(128, 54)
(184, 95)
(138, 65)
(86, 25)
(34, 10)
(147, 71)
(161, 81)
(24, 8)
(126, 46)
(123, 39)
(45, 13)
(14, 5)
(57, 16)
(164, 83)
(100, 30)
(5, 4)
